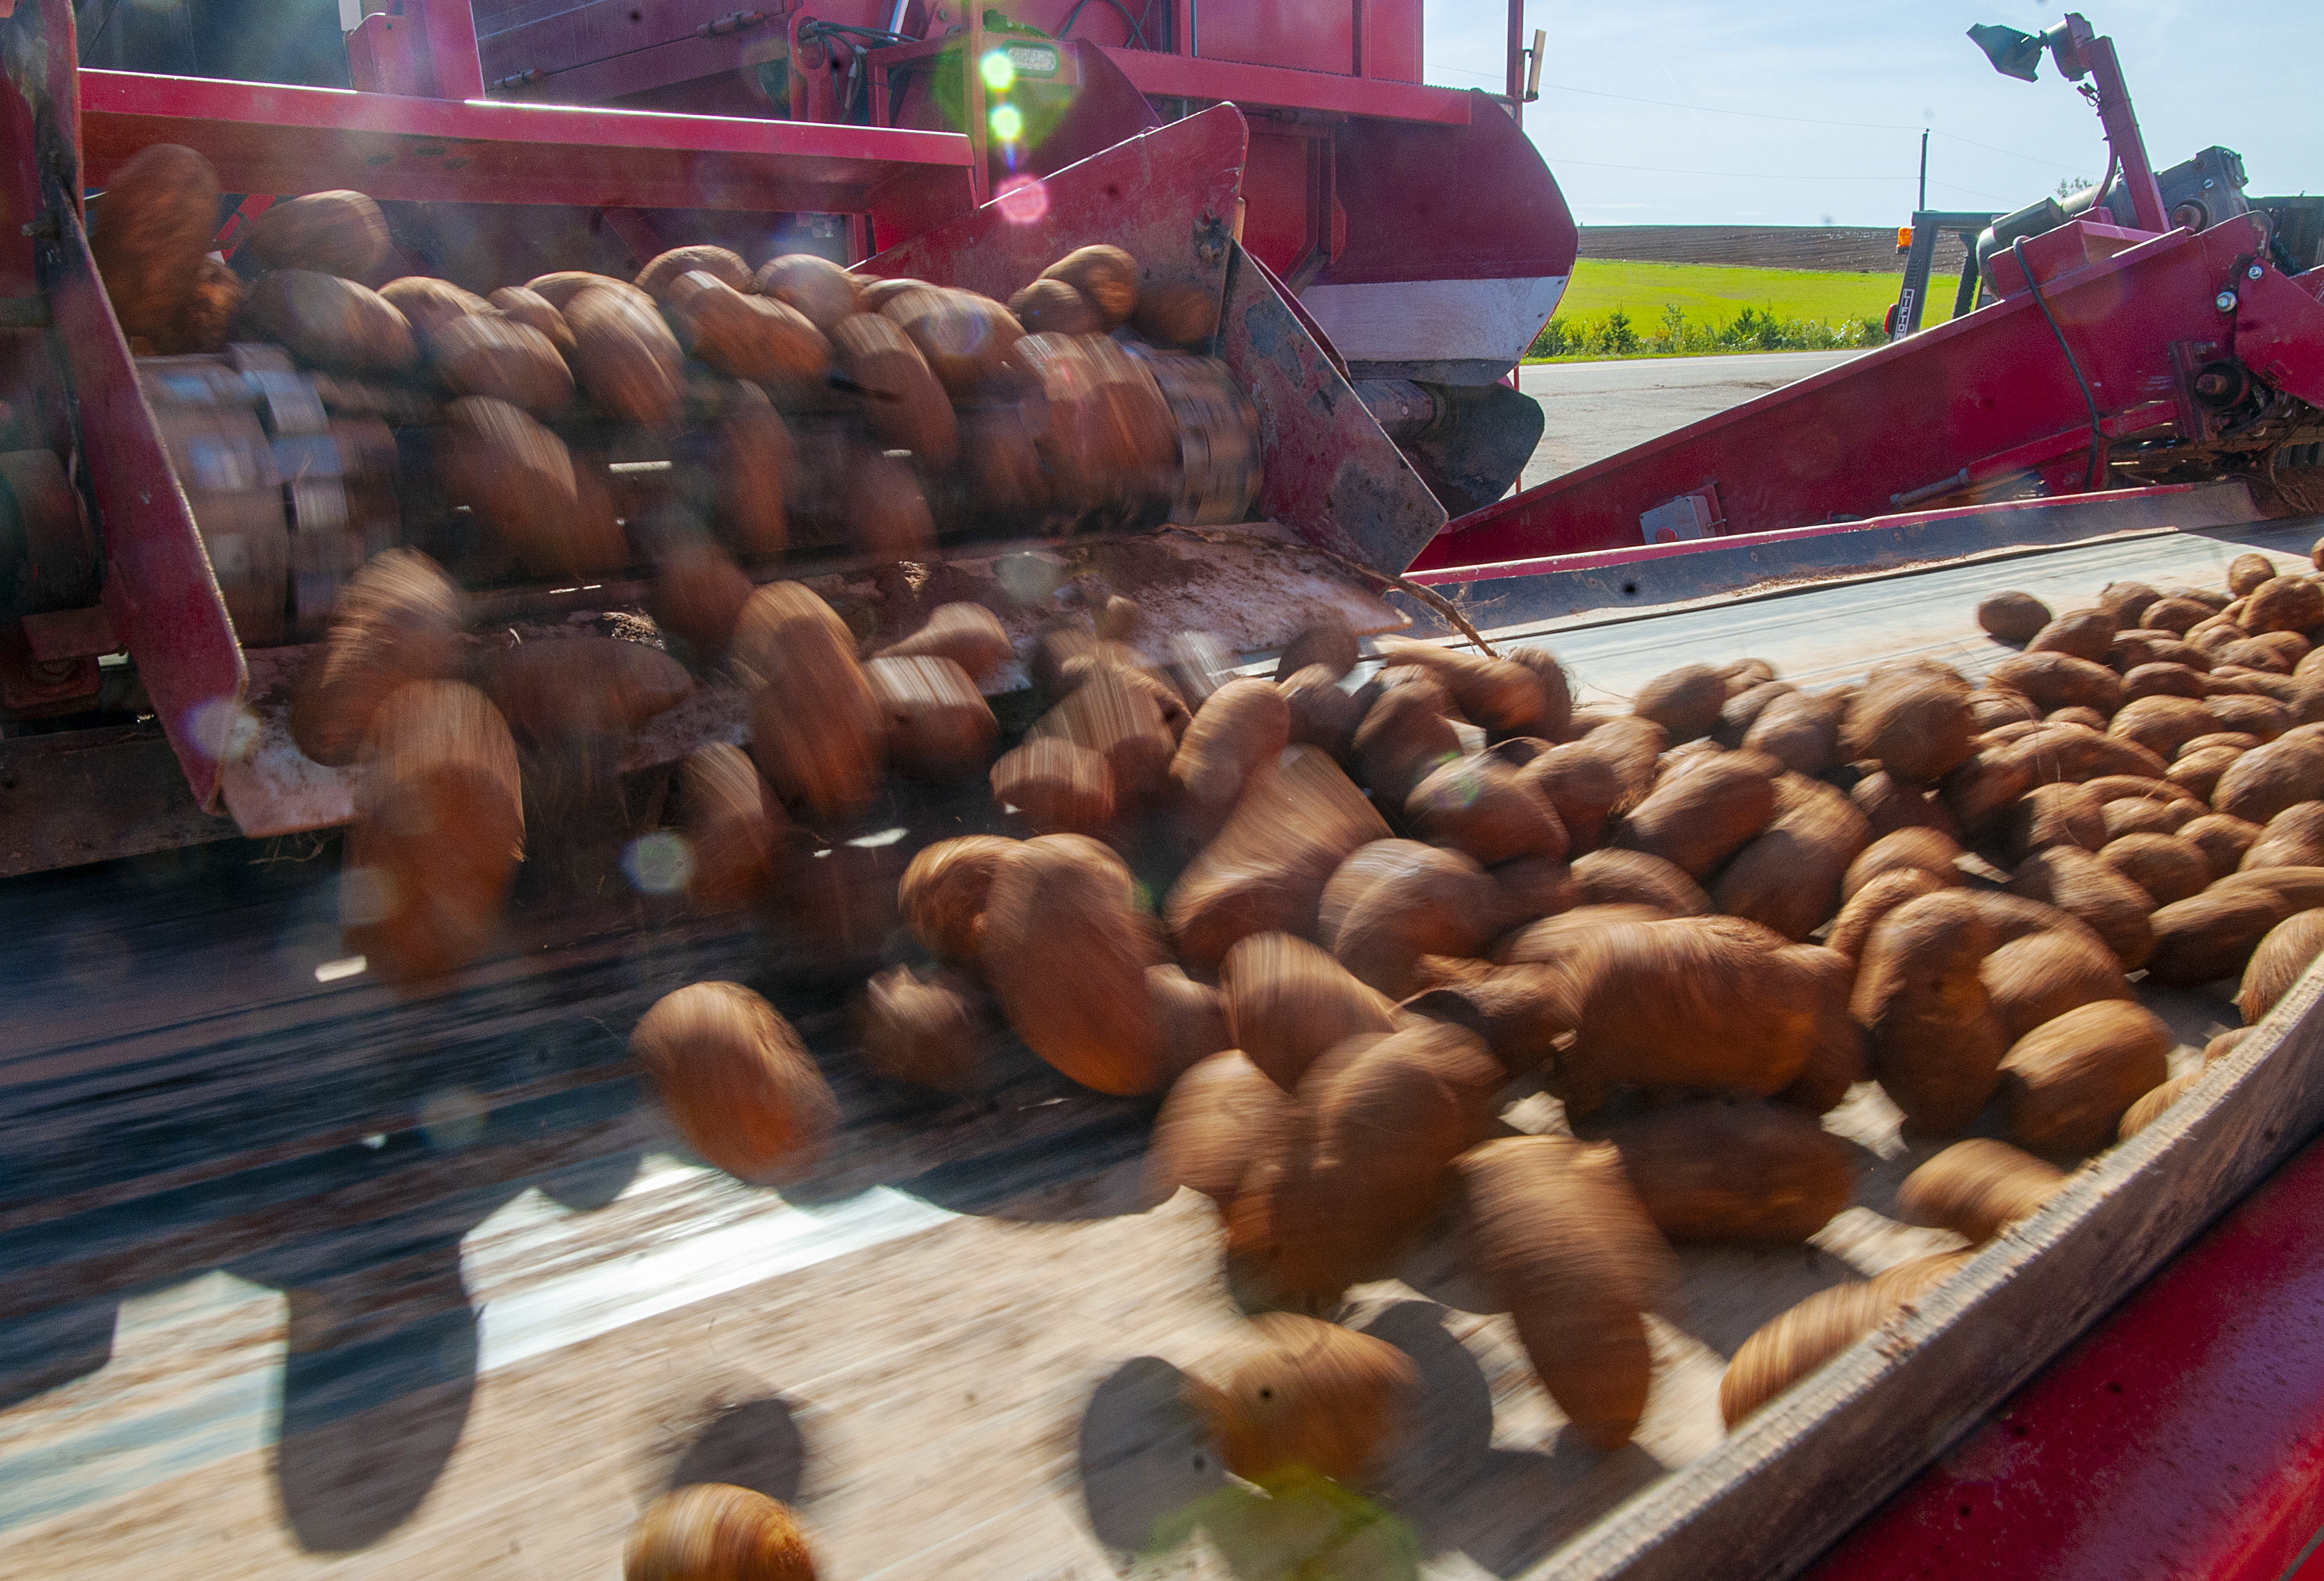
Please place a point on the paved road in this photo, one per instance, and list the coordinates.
(1595, 408)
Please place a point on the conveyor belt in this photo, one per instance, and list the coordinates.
(297, 1278)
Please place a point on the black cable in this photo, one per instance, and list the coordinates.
(2097, 433)
(1137, 33)
(90, 42)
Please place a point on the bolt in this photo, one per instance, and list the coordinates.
(2225, 301)
(2254, 273)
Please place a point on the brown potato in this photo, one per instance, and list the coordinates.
(1735, 1171)
(1930, 850)
(1106, 276)
(1697, 819)
(1222, 1114)
(938, 725)
(1888, 806)
(330, 322)
(1583, 785)
(2066, 1083)
(397, 620)
(1915, 726)
(438, 830)
(559, 688)
(150, 232)
(1266, 869)
(1290, 1397)
(1568, 1250)
(966, 338)
(1788, 877)
(2149, 1106)
(2162, 724)
(2268, 779)
(2198, 770)
(626, 358)
(1288, 1002)
(1243, 725)
(1379, 1120)
(1486, 808)
(2284, 604)
(486, 355)
(2223, 840)
(969, 634)
(1496, 694)
(944, 891)
(2293, 838)
(1066, 952)
(559, 289)
(2166, 867)
(1051, 306)
(1605, 878)
(816, 287)
(2053, 815)
(2247, 573)
(2013, 617)
(2175, 613)
(816, 725)
(738, 1081)
(334, 233)
(528, 307)
(1984, 789)
(2081, 885)
(2044, 974)
(902, 403)
(431, 305)
(662, 272)
(698, 594)
(1936, 1042)
(713, 1531)
(2060, 680)
(1685, 701)
(751, 337)
(1977, 1188)
(1404, 737)
(1176, 313)
(2282, 959)
(518, 478)
(1795, 1342)
(1853, 926)
(922, 1029)
(2086, 633)
(2213, 935)
(735, 830)
(1800, 731)
(1392, 902)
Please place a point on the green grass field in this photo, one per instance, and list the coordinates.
(1724, 310)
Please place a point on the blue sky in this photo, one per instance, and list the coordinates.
(2198, 73)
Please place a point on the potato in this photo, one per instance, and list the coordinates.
(2086, 633)
(1176, 313)
(2051, 816)
(2065, 752)
(2150, 1106)
(751, 337)
(1392, 902)
(1061, 788)
(626, 358)
(559, 289)
(519, 479)
(2247, 572)
(2284, 604)
(1800, 731)
(713, 1531)
(1552, 940)
(1735, 1171)
(1486, 808)
(1051, 306)
(1221, 1115)
(151, 230)
(1788, 877)
(1685, 701)
(2066, 1083)
(334, 233)
(1266, 869)
(815, 287)
(1983, 789)
(2293, 838)
(1915, 727)
(515, 303)
(2198, 770)
(662, 272)
(1244, 725)
(1837, 1047)
(1632, 877)
(2263, 716)
(2081, 885)
(2060, 680)
(1707, 1002)
(920, 1029)
(2144, 815)
(966, 338)
(1403, 738)
(397, 620)
(944, 891)
(1936, 1042)
(2164, 866)
(2268, 779)
(1323, 714)
(438, 830)
(1794, 1343)
(1521, 1011)
(1379, 1122)
(969, 634)
(1930, 850)
(2125, 602)
(1119, 720)
(1888, 806)
(2162, 723)
(1326, 641)
(1290, 1397)
(431, 306)
(1106, 276)
(2013, 617)
(328, 322)
(2282, 959)
(735, 830)
(1108, 435)
(483, 355)
(2175, 613)
(561, 688)
(937, 726)
(1498, 695)
(2162, 681)
(1990, 709)
(698, 594)
(2213, 935)
(1853, 926)
(901, 401)
(1568, 1250)
(738, 1081)
(1288, 1002)
(1067, 954)
(1583, 785)
(816, 726)
(2223, 840)
(1696, 819)
(1976, 1189)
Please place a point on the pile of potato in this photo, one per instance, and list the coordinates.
(526, 396)
(1699, 923)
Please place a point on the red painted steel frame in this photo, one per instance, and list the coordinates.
(266, 138)
(2183, 1437)
(1982, 399)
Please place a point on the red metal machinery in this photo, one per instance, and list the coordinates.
(2109, 355)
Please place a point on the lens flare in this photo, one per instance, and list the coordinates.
(659, 863)
(997, 71)
(1022, 199)
(1008, 124)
